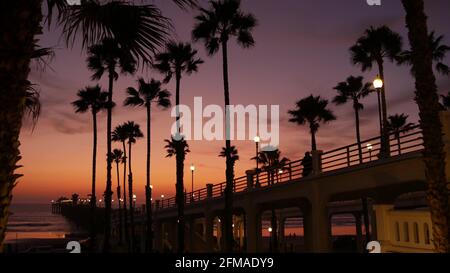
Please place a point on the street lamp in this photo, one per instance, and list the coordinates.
(257, 139)
(378, 85)
(192, 182)
(370, 148)
(270, 238)
(134, 201)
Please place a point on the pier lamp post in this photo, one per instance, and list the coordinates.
(192, 182)
(257, 139)
(270, 238)
(378, 84)
(370, 148)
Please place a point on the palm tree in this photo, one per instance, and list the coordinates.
(439, 53)
(272, 162)
(398, 125)
(179, 148)
(374, 47)
(142, 29)
(117, 157)
(106, 58)
(92, 99)
(312, 111)
(353, 90)
(428, 102)
(120, 134)
(146, 95)
(178, 58)
(215, 27)
(133, 132)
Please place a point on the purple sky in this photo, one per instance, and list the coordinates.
(301, 49)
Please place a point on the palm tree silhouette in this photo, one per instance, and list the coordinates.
(146, 95)
(354, 90)
(177, 147)
(178, 58)
(215, 27)
(312, 111)
(272, 162)
(428, 102)
(374, 47)
(120, 134)
(140, 28)
(398, 124)
(103, 58)
(117, 157)
(133, 132)
(92, 99)
(439, 53)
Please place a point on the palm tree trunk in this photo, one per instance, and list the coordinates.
(108, 191)
(19, 23)
(428, 102)
(180, 200)
(125, 212)
(358, 135)
(228, 219)
(177, 99)
(385, 145)
(399, 144)
(313, 140)
(120, 206)
(148, 190)
(274, 225)
(93, 191)
(130, 197)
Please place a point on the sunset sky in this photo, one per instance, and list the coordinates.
(301, 49)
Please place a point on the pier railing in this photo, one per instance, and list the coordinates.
(402, 142)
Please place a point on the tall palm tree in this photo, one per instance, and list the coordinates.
(117, 157)
(398, 124)
(92, 99)
(120, 134)
(439, 51)
(312, 111)
(142, 29)
(133, 133)
(215, 27)
(148, 93)
(353, 90)
(428, 102)
(103, 58)
(178, 58)
(177, 147)
(374, 47)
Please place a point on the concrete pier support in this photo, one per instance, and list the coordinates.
(359, 233)
(253, 229)
(209, 230)
(317, 226)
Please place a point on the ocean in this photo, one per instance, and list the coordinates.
(35, 221)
